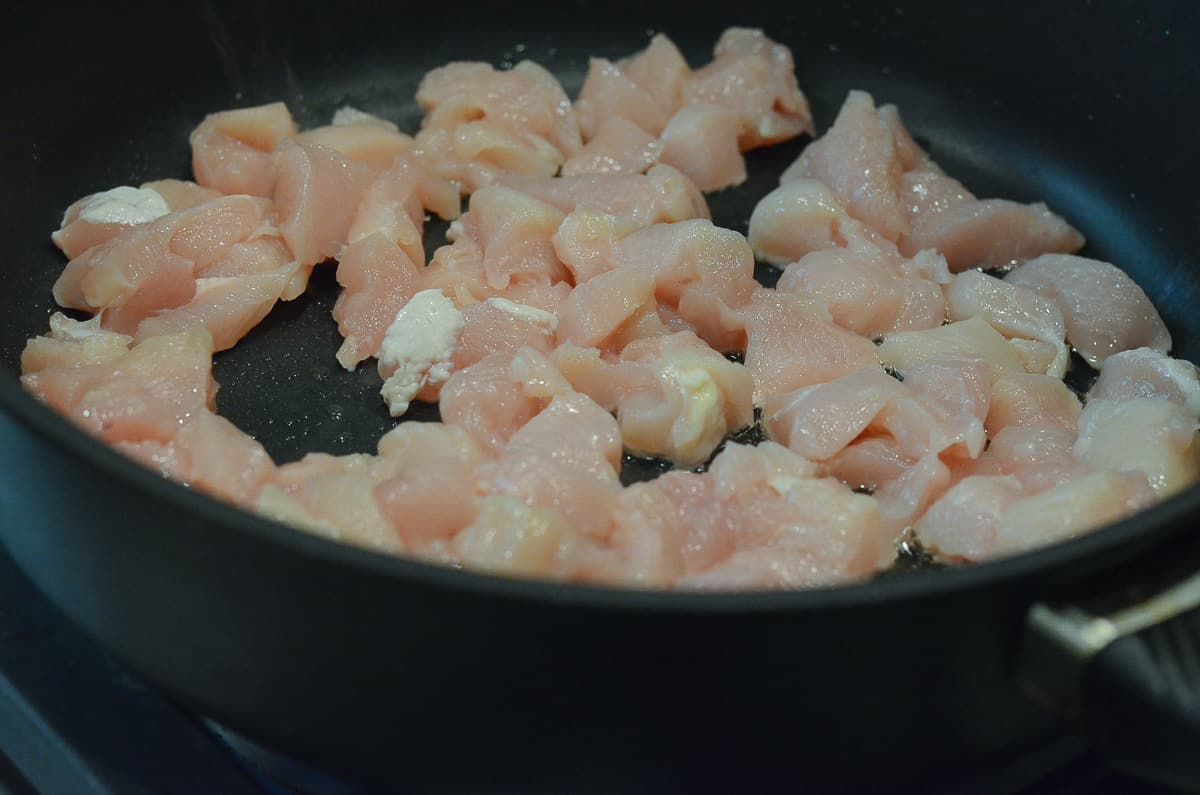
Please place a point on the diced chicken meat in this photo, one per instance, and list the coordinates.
(317, 191)
(618, 147)
(1104, 310)
(231, 150)
(1149, 435)
(377, 278)
(480, 123)
(755, 77)
(1016, 312)
(701, 140)
(793, 343)
(873, 166)
(1147, 373)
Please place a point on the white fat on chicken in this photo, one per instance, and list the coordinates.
(123, 205)
(698, 397)
(418, 348)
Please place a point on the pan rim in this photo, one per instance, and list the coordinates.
(55, 429)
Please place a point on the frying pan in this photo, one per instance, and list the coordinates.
(438, 679)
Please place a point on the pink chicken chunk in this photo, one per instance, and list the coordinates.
(871, 164)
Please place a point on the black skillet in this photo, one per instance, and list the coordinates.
(452, 680)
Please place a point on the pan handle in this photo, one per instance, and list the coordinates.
(1130, 680)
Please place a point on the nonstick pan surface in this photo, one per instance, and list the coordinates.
(378, 665)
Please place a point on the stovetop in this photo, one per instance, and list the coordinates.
(74, 721)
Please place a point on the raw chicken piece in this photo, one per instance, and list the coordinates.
(660, 70)
(931, 422)
(987, 517)
(1148, 435)
(1071, 509)
(674, 396)
(904, 499)
(392, 208)
(818, 421)
(940, 412)
(206, 233)
(566, 460)
(378, 279)
(761, 518)
(1029, 398)
(1146, 373)
(433, 490)
(480, 122)
(479, 153)
(858, 159)
(583, 370)
(512, 538)
(334, 497)
(802, 216)
(231, 150)
(457, 270)
(487, 401)
(924, 306)
(973, 337)
(648, 537)
(255, 256)
(100, 217)
(145, 394)
(910, 153)
(693, 398)
(585, 239)
(525, 97)
(496, 325)
(661, 195)
(608, 93)
(864, 292)
(181, 194)
(970, 232)
(687, 253)
(955, 384)
(209, 453)
(368, 142)
(1039, 455)
(964, 523)
(755, 77)
(149, 267)
(704, 309)
(316, 194)
(501, 324)
(226, 306)
(1014, 311)
(869, 464)
(1017, 398)
(701, 140)
(596, 310)
(875, 168)
(793, 343)
(618, 147)
(73, 343)
(513, 230)
(357, 498)
(1105, 311)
